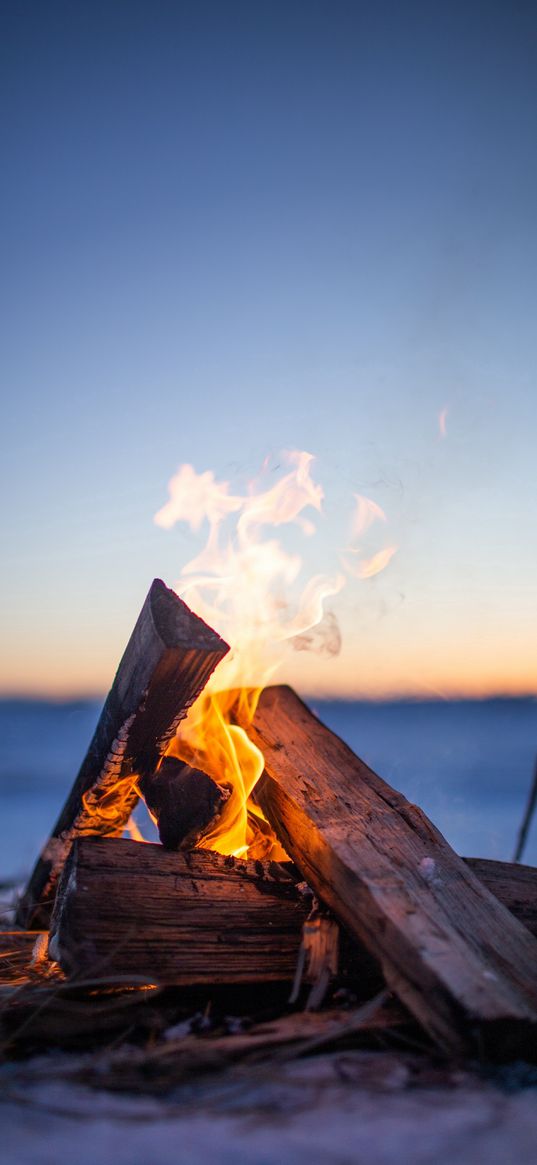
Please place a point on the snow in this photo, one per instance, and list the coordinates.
(331, 1110)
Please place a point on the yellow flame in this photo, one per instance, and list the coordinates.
(209, 740)
(246, 585)
(368, 567)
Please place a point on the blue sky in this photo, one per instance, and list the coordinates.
(229, 229)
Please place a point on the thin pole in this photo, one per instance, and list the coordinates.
(527, 818)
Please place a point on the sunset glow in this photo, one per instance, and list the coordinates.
(227, 238)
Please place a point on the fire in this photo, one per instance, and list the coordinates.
(249, 586)
(208, 739)
(353, 559)
(379, 561)
(366, 512)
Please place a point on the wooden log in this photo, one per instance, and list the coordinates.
(513, 884)
(330, 955)
(117, 892)
(167, 662)
(182, 918)
(461, 963)
(184, 801)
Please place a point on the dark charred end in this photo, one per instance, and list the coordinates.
(184, 801)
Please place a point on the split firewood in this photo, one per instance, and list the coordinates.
(184, 918)
(185, 802)
(513, 884)
(457, 958)
(127, 908)
(167, 662)
(329, 955)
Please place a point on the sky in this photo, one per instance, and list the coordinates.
(232, 229)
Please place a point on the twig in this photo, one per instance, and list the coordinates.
(527, 818)
(352, 1023)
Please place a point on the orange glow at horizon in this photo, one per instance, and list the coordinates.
(465, 629)
(371, 672)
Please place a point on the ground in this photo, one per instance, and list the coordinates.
(335, 1109)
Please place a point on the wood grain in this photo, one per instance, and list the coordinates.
(462, 964)
(167, 662)
(513, 884)
(178, 918)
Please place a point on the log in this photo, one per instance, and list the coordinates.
(513, 884)
(330, 955)
(167, 662)
(120, 891)
(460, 962)
(187, 918)
(184, 801)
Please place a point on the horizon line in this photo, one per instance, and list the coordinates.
(359, 697)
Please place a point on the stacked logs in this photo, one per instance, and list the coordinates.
(453, 940)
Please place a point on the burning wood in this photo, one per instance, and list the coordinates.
(185, 918)
(127, 909)
(185, 802)
(393, 898)
(407, 904)
(459, 960)
(167, 662)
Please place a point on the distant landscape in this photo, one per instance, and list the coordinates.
(467, 763)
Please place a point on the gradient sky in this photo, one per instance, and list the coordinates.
(230, 229)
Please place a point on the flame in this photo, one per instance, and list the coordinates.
(208, 739)
(368, 567)
(353, 560)
(248, 586)
(367, 512)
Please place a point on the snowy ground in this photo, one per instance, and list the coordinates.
(333, 1110)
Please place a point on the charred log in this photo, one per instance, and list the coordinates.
(167, 662)
(184, 801)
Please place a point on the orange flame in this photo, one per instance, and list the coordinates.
(248, 586)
